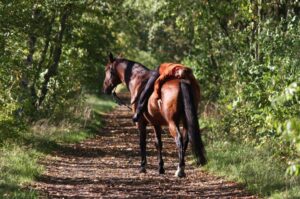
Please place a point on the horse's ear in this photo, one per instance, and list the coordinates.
(111, 57)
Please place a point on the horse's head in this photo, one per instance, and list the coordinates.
(111, 76)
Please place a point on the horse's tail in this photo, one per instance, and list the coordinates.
(192, 123)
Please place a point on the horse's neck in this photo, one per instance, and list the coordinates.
(134, 76)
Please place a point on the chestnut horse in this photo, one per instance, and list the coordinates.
(180, 100)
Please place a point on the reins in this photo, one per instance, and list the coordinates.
(119, 101)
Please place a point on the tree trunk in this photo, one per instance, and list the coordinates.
(52, 70)
(31, 48)
(41, 61)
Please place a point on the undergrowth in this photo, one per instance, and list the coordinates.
(21, 149)
(257, 167)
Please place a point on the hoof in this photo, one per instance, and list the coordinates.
(180, 173)
(161, 171)
(142, 170)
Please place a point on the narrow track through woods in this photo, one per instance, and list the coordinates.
(107, 167)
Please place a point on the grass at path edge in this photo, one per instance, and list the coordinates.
(258, 168)
(19, 155)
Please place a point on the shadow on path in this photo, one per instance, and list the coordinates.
(107, 167)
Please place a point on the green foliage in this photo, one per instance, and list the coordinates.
(248, 68)
(21, 149)
(255, 167)
(245, 55)
(52, 53)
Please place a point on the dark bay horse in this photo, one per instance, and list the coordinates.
(180, 100)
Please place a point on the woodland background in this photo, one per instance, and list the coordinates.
(245, 54)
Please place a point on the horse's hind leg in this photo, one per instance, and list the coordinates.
(158, 144)
(175, 132)
(143, 134)
(185, 137)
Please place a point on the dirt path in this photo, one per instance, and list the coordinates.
(107, 167)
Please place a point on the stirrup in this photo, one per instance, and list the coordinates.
(159, 102)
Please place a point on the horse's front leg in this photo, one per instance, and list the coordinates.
(158, 144)
(143, 135)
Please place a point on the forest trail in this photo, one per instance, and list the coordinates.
(107, 167)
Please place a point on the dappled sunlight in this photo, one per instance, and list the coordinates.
(56, 61)
(108, 166)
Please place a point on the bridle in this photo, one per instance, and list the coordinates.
(116, 98)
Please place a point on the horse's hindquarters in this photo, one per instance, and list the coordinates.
(170, 109)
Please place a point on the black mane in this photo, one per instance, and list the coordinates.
(129, 67)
